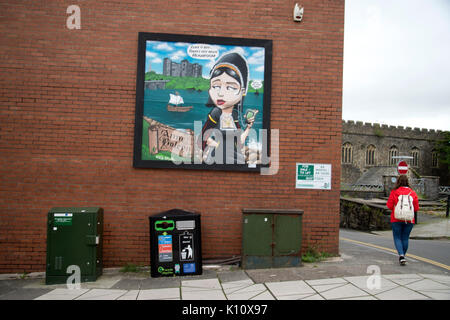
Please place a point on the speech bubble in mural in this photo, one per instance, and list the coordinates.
(256, 84)
(203, 51)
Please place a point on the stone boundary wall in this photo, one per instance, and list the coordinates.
(361, 215)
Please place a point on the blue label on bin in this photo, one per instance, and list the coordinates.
(189, 268)
(165, 248)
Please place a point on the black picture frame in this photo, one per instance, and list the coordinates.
(143, 39)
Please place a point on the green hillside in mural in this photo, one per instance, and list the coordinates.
(187, 83)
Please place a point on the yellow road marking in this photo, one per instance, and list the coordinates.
(394, 251)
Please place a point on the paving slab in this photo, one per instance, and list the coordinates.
(205, 289)
(102, 294)
(230, 287)
(330, 281)
(345, 291)
(403, 279)
(202, 294)
(246, 293)
(314, 297)
(290, 288)
(159, 294)
(295, 296)
(438, 278)
(63, 294)
(266, 295)
(130, 295)
(372, 285)
(202, 284)
(361, 298)
(401, 293)
(437, 294)
(427, 284)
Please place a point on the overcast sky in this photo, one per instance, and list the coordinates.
(397, 62)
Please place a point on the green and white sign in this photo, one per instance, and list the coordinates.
(63, 219)
(313, 176)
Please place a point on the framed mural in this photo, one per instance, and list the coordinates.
(202, 102)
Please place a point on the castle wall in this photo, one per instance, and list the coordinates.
(383, 137)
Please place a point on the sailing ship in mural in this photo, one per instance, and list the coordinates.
(176, 103)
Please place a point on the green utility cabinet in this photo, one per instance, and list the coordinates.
(271, 238)
(74, 238)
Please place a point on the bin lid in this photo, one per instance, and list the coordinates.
(174, 213)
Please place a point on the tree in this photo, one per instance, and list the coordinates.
(443, 149)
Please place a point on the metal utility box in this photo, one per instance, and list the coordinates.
(175, 243)
(74, 238)
(271, 238)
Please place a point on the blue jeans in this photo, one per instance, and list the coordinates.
(401, 232)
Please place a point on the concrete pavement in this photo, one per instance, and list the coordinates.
(359, 273)
(368, 287)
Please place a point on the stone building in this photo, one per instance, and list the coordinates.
(370, 150)
(182, 69)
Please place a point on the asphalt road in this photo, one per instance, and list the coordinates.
(435, 250)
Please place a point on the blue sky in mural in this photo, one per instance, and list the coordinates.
(156, 51)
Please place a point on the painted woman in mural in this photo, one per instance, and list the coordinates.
(228, 87)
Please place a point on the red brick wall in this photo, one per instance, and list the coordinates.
(67, 122)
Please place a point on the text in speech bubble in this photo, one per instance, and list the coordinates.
(202, 51)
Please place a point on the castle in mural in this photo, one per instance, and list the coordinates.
(182, 69)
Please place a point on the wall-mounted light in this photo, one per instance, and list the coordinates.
(298, 13)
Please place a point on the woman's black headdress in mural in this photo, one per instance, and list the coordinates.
(236, 67)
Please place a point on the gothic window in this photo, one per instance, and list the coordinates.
(370, 155)
(415, 155)
(347, 153)
(393, 152)
(434, 159)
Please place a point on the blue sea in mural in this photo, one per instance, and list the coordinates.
(155, 107)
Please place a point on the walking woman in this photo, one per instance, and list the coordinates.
(401, 229)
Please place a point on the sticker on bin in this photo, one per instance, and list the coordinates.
(185, 224)
(189, 268)
(186, 246)
(165, 248)
(63, 221)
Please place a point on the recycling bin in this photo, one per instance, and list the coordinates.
(175, 243)
(74, 244)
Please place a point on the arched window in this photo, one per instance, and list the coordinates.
(415, 155)
(370, 155)
(393, 152)
(347, 153)
(434, 159)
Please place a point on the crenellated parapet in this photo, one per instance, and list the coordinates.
(384, 130)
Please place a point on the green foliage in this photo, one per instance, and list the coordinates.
(180, 83)
(378, 132)
(131, 267)
(187, 83)
(313, 255)
(443, 149)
